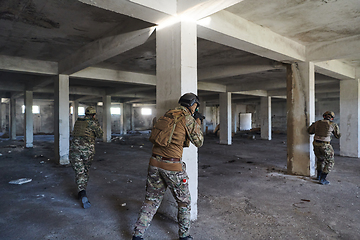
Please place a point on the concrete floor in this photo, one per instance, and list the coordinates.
(244, 193)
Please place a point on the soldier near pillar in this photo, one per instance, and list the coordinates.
(82, 150)
(170, 134)
(324, 152)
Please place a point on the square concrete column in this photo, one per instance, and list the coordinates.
(107, 118)
(132, 119)
(61, 119)
(12, 122)
(75, 115)
(28, 119)
(265, 117)
(225, 118)
(127, 117)
(300, 114)
(176, 71)
(121, 118)
(3, 117)
(234, 117)
(202, 110)
(349, 118)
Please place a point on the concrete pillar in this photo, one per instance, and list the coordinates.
(107, 118)
(3, 117)
(300, 114)
(176, 72)
(132, 122)
(225, 118)
(265, 117)
(121, 118)
(12, 123)
(349, 118)
(127, 117)
(75, 115)
(234, 118)
(28, 119)
(61, 119)
(202, 110)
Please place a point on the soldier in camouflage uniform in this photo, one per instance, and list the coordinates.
(82, 150)
(166, 169)
(323, 129)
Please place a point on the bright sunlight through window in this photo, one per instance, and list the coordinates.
(146, 111)
(115, 110)
(81, 111)
(35, 109)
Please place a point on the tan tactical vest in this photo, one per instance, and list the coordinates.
(81, 129)
(178, 141)
(323, 130)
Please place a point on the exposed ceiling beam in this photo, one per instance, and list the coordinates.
(260, 65)
(85, 98)
(23, 65)
(338, 49)
(115, 76)
(93, 91)
(103, 49)
(198, 9)
(260, 93)
(129, 8)
(335, 69)
(114, 92)
(212, 87)
(166, 6)
(230, 30)
(328, 95)
(256, 85)
(11, 86)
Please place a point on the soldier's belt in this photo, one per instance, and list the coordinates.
(322, 141)
(176, 166)
(167, 159)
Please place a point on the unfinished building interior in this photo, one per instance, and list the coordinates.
(264, 70)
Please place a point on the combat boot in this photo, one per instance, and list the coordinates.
(186, 238)
(137, 238)
(318, 175)
(323, 180)
(84, 200)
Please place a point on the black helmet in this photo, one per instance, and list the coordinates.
(188, 99)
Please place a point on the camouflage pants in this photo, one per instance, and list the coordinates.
(157, 181)
(325, 156)
(81, 157)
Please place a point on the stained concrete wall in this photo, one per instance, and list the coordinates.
(212, 117)
(4, 117)
(143, 122)
(43, 122)
(278, 116)
(328, 105)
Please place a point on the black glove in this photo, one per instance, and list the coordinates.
(198, 115)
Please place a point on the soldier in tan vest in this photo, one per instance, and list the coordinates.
(82, 150)
(166, 169)
(323, 129)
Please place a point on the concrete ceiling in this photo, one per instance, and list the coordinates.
(109, 47)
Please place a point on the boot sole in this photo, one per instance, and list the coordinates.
(85, 202)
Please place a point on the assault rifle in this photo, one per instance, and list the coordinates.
(197, 115)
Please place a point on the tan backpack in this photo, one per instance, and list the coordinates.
(164, 128)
